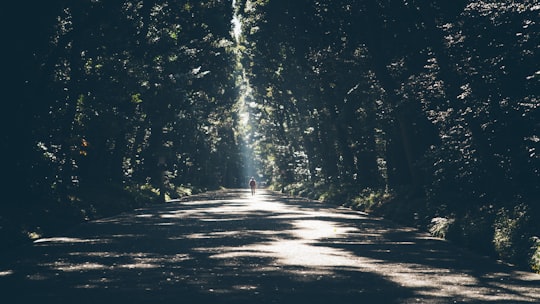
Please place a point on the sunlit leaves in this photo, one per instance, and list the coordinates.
(451, 86)
(438, 98)
(146, 83)
(136, 98)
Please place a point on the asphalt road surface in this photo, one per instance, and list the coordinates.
(231, 247)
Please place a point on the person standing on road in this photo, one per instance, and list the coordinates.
(252, 185)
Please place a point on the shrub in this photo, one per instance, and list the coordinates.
(512, 240)
(439, 226)
(369, 199)
(473, 230)
(535, 258)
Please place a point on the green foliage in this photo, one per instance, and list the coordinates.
(136, 98)
(437, 104)
(80, 79)
(440, 226)
(474, 230)
(535, 259)
(370, 199)
(512, 238)
(332, 194)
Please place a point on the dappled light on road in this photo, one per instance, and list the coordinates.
(302, 246)
(6, 273)
(231, 247)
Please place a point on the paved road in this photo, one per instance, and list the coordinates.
(229, 247)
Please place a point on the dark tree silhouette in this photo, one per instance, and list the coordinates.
(414, 109)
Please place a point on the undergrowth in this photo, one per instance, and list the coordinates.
(504, 233)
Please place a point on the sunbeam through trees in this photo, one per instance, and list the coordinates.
(425, 112)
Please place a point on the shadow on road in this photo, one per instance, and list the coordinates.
(229, 247)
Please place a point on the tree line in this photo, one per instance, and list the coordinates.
(425, 112)
(113, 105)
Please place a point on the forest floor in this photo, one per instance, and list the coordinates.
(231, 247)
